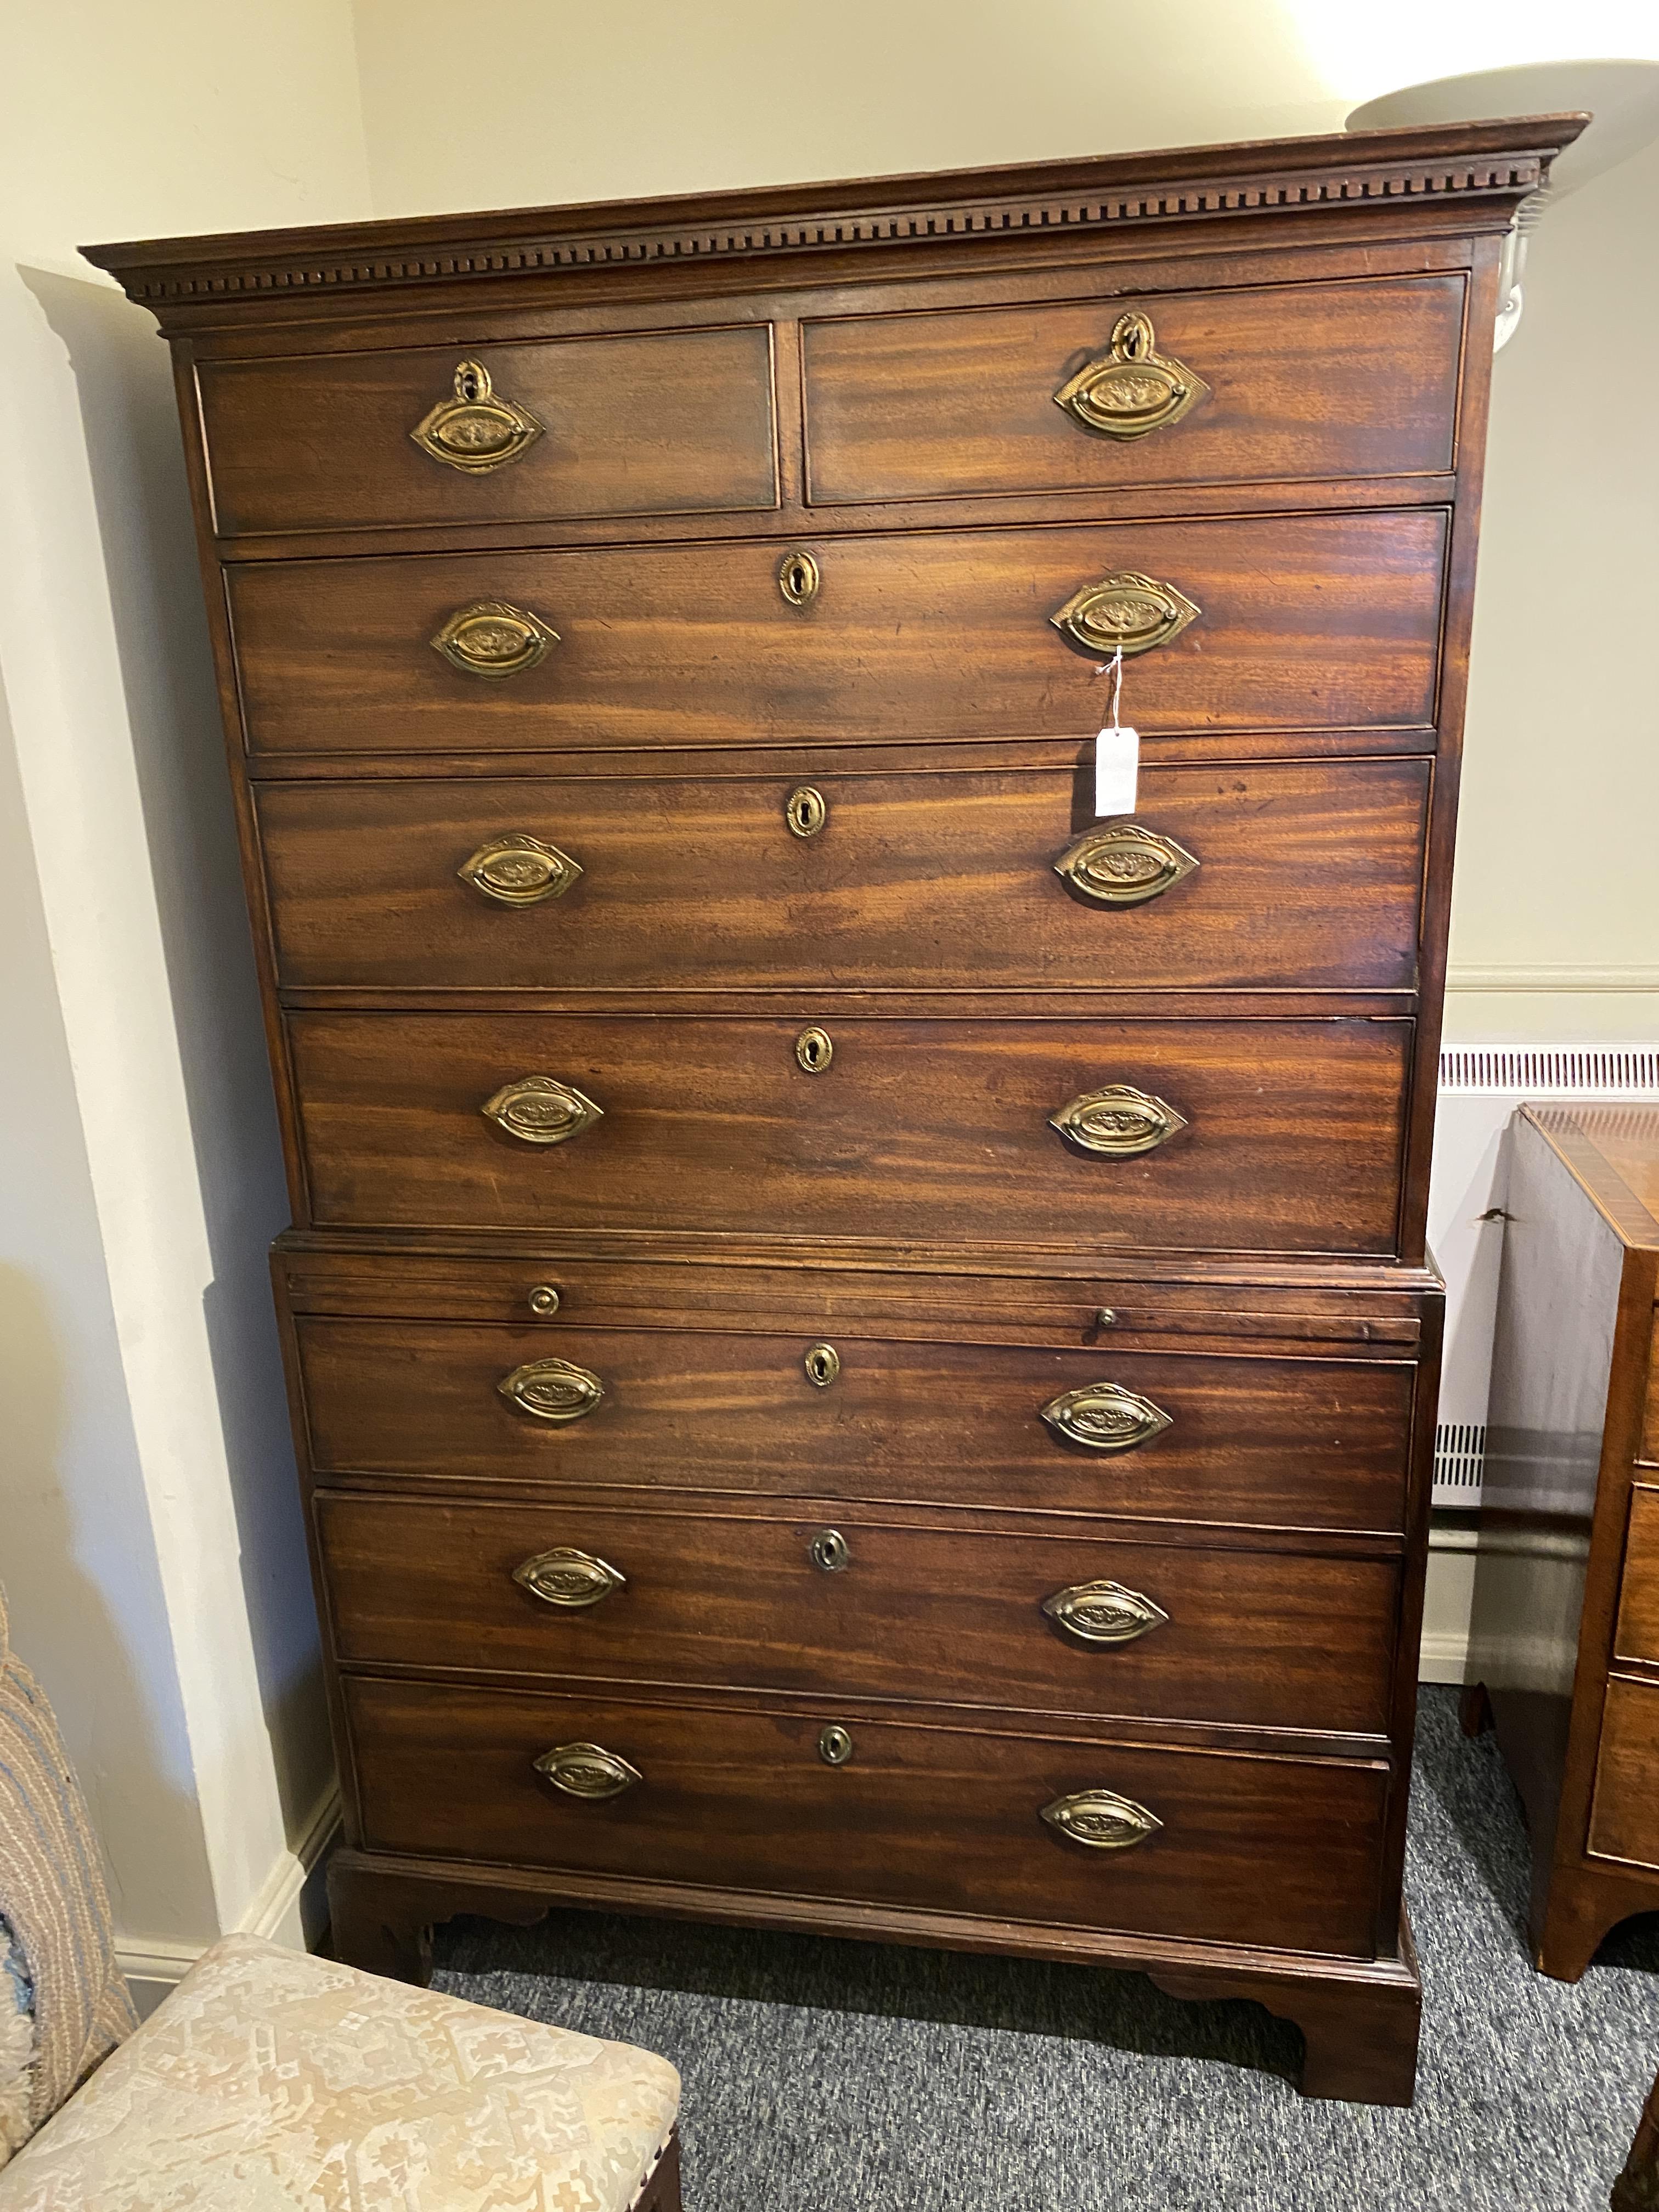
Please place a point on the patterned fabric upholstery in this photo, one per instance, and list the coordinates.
(16, 2043)
(272, 2082)
(55, 1911)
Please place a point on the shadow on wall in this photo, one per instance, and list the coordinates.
(123, 379)
(131, 1766)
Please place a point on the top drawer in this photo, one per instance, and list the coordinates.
(1283, 383)
(654, 423)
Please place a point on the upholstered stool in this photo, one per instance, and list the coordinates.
(270, 2081)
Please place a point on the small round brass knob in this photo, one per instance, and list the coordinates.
(544, 1300)
(1105, 1316)
(829, 1552)
(834, 1745)
(823, 1365)
(815, 1049)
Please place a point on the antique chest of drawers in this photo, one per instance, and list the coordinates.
(861, 1347)
(1564, 1638)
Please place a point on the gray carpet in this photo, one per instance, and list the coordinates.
(824, 2077)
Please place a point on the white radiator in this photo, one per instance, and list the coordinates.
(1482, 1081)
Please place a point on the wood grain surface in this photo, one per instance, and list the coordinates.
(916, 1130)
(1309, 623)
(1263, 1639)
(1254, 1442)
(1624, 1820)
(1306, 382)
(1309, 878)
(1252, 1850)
(647, 422)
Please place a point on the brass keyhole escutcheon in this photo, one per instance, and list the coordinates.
(815, 1049)
(798, 578)
(544, 1301)
(805, 812)
(834, 1745)
(823, 1365)
(830, 1552)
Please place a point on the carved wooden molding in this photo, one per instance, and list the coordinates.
(1499, 161)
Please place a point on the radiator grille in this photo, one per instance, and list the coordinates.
(1460, 1453)
(1589, 1069)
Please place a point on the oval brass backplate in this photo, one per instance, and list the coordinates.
(805, 811)
(1132, 388)
(799, 578)
(1104, 1613)
(476, 431)
(587, 1770)
(493, 638)
(1117, 1121)
(540, 1109)
(570, 1579)
(544, 1301)
(1121, 863)
(1128, 613)
(1105, 1417)
(520, 870)
(823, 1365)
(815, 1049)
(552, 1390)
(829, 1552)
(834, 1745)
(1102, 1819)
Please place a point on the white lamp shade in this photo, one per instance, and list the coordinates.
(1622, 97)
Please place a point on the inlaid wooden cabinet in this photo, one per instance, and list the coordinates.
(861, 1348)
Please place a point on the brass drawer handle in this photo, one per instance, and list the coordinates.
(822, 1363)
(476, 430)
(587, 1770)
(1117, 1122)
(520, 871)
(830, 1552)
(834, 1745)
(814, 1049)
(1102, 1819)
(1104, 1613)
(568, 1578)
(805, 812)
(799, 579)
(552, 1390)
(544, 1301)
(1132, 388)
(1124, 865)
(493, 638)
(540, 1109)
(1126, 613)
(1105, 1417)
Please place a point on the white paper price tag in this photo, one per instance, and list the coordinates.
(1117, 766)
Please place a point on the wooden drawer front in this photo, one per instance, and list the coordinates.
(1280, 1852)
(676, 422)
(1268, 1442)
(1307, 622)
(1270, 1640)
(1305, 381)
(1637, 1633)
(1624, 1820)
(916, 1129)
(1309, 879)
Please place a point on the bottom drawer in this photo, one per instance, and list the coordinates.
(1281, 1852)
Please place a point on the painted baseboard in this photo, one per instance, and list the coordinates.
(1551, 977)
(290, 1907)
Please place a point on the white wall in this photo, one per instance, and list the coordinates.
(150, 1542)
(1554, 901)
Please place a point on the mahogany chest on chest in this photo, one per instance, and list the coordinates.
(861, 1349)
